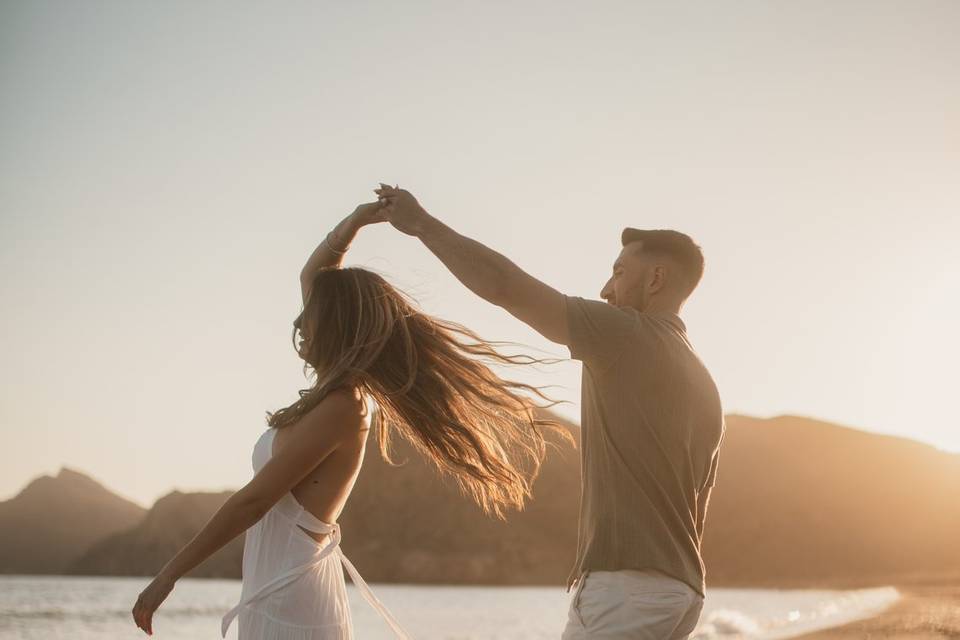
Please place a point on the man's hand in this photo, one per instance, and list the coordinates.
(402, 210)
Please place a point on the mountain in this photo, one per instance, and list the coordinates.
(56, 518)
(809, 503)
(403, 524)
(798, 503)
(165, 529)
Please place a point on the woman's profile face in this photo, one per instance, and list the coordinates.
(305, 336)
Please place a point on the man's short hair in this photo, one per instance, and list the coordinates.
(675, 245)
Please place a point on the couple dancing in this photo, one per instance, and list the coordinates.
(651, 431)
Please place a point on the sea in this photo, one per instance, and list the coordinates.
(88, 608)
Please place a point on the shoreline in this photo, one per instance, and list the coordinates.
(928, 607)
(923, 612)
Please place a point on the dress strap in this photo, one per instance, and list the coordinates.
(370, 597)
(281, 580)
(333, 546)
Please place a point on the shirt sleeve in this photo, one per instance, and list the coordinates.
(712, 473)
(597, 331)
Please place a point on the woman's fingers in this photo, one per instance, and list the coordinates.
(386, 189)
(140, 621)
(387, 196)
(143, 617)
(136, 613)
(146, 622)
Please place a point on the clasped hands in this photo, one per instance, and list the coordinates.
(396, 206)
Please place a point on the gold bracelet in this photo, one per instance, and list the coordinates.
(330, 246)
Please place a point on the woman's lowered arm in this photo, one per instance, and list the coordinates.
(318, 433)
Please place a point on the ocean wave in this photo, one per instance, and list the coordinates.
(88, 613)
(807, 611)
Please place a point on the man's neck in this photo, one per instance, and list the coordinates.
(661, 306)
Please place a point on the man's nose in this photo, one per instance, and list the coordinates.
(607, 292)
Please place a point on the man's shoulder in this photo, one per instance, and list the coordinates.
(591, 306)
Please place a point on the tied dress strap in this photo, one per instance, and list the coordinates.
(370, 598)
(309, 521)
(284, 578)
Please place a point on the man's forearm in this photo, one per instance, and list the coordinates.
(478, 267)
(230, 520)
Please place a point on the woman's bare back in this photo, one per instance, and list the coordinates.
(325, 490)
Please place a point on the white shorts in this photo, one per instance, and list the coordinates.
(636, 604)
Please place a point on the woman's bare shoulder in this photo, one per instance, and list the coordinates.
(348, 404)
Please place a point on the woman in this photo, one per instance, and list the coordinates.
(368, 346)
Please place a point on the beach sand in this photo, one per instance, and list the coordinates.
(924, 612)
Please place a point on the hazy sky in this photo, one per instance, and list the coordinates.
(167, 168)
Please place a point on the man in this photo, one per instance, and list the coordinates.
(651, 424)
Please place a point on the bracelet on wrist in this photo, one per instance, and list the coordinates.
(330, 246)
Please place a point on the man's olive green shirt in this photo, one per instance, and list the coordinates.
(651, 429)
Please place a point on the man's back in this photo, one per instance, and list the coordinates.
(651, 428)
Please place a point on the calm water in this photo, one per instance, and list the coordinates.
(86, 608)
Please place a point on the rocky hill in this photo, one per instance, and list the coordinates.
(810, 503)
(145, 548)
(56, 518)
(798, 502)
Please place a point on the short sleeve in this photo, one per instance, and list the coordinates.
(711, 479)
(597, 331)
(712, 473)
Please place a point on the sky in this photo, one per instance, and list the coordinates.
(167, 168)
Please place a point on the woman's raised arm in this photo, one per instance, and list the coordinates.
(330, 252)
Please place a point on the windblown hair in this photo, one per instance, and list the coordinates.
(431, 382)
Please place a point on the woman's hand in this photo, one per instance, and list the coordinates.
(149, 600)
(369, 213)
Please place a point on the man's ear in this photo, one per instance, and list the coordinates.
(658, 278)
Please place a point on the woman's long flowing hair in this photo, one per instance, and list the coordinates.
(431, 382)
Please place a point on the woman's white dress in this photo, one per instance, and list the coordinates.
(293, 586)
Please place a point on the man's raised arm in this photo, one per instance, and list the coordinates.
(490, 275)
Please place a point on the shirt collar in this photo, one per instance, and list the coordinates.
(672, 318)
